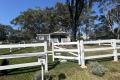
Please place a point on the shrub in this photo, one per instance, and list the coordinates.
(97, 69)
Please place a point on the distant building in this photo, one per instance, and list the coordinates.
(58, 36)
(85, 37)
(1, 42)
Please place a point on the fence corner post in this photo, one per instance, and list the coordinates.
(78, 46)
(82, 54)
(114, 45)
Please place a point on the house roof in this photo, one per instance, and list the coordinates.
(59, 33)
(56, 33)
(42, 34)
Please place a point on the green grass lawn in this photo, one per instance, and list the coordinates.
(71, 70)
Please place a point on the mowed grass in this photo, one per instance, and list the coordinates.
(71, 70)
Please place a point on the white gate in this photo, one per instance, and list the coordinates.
(59, 48)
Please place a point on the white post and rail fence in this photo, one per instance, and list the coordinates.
(78, 53)
(42, 57)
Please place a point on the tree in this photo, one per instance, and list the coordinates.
(75, 9)
(5, 31)
(110, 9)
(57, 18)
(30, 20)
(103, 32)
(62, 17)
(114, 17)
(48, 20)
(87, 19)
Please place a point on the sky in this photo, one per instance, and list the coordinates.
(9, 9)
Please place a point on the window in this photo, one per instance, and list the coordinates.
(41, 37)
(47, 37)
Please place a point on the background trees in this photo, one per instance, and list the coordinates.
(114, 17)
(5, 32)
(30, 21)
(75, 16)
(75, 9)
(36, 21)
(110, 10)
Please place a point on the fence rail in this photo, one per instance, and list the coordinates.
(112, 44)
(75, 52)
(21, 45)
(78, 53)
(42, 57)
(40, 54)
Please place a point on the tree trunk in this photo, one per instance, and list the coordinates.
(74, 31)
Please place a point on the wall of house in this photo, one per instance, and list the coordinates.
(42, 38)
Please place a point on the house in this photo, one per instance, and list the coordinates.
(85, 37)
(43, 37)
(58, 36)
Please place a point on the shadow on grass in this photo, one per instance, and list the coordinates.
(53, 64)
(101, 59)
(3, 63)
(27, 70)
(22, 70)
(61, 76)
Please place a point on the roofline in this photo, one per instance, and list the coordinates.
(43, 34)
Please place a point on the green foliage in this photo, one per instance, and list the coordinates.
(5, 31)
(111, 10)
(97, 69)
(48, 20)
(114, 17)
(103, 32)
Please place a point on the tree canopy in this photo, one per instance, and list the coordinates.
(74, 16)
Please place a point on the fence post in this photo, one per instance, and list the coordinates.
(46, 56)
(114, 50)
(82, 54)
(49, 39)
(78, 46)
(111, 42)
(43, 63)
(42, 72)
(99, 42)
(53, 52)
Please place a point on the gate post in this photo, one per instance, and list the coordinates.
(42, 72)
(53, 52)
(114, 50)
(78, 46)
(82, 54)
(46, 57)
